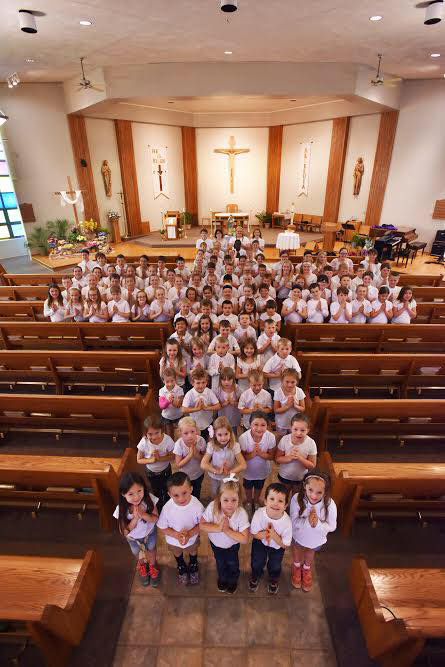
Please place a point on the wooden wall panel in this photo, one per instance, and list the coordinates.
(337, 155)
(190, 169)
(382, 161)
(274, 168)
(124, 137)
(81, 152)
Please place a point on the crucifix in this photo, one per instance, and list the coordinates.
(231, 152)
(160, 172)
(71, 192)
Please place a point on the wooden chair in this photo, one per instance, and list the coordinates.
(398, 420)
(399, 609)
(315, 223)
(61, 370)
(385, 490)
(49, 600)
(65, 482)
(232, 208)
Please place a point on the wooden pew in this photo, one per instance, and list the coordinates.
(376, 338)
(22, 311)
(34, 278)
(62, 369)
(84, 335)
(400, 372)
(429, 294)
(52, 598)
(399, 609)
(23, 293)
(409, 488)
(114, 415)
(397, 420)
(430, 313)
(419, 280)
(60, 481)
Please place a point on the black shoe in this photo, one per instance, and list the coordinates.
(272, 588)
(231, 588)
(253, 585)
(222, 587)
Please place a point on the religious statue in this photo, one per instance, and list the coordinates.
(231, 152)
(106, 175)
(358, 175)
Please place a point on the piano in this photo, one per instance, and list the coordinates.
(388, 241)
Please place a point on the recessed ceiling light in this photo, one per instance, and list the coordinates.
(435, 55)
(228, 53)
(377, 17)
(86, 22)
(30, 60)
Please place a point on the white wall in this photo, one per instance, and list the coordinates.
(39, 147)
(293, 136)
(362, 142)
(417, 172)
(250, 169)
(146, 136)
(103, 146)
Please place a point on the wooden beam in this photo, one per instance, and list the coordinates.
(124, 138)
(274, 168)
(190, 170)
(382, 162)
(84, 172)
(337, 155)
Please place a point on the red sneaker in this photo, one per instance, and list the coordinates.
(154, 576)
(142, 568)
(296, 576)
(307, 579)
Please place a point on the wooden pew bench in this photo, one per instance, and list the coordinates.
(23, 293)
(376, 338)
(419, 280)
(430, 312)
(360, 419)
(22, 311)
(429, 294)
(26, 279)
(62, 369)
(386, 489)
(60, 482)
(49, 600)
(396, 372)
(84, 336)
(102, 415)
(399, 609)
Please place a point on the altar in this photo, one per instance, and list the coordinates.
(240, 218)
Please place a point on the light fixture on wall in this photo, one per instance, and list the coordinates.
(13, 80)
(85, 22)
(228, 53)
(433, 12)
(377, 17)
(435, 55)
(3, 118)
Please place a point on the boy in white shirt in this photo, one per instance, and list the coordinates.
(270, 314)
(371, 291)
(200, 402)
(118, 309)
(394, 289)
(255, 398)
(361, 308)
(227, 314)
(341, 311)
(317, 307)
(288, 400)
(182, 270)
(225, 332)
(78, 278)
(271, 529)
(267, 342)
(325, 292)
(87, 265)
(179, 521)
(381, 311)
(67, 283)
(115, 281)
(273, 368)
(176, 293)
(358, 280)
(345, 281)
(220, 359)
(228, 293)
(204, 238)
(244, 330)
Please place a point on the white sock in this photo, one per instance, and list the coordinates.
(297, 564)
(306, 567)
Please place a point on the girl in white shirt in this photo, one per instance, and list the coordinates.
(381, 308)
(74, 306)
(137, 516)
(198, 357)
(404, 309)
(95, 309)
(172, 357)
(296, 453)
(223, 455)
(189, 450)
(155, 452)
(317, 307)
(161, 310)
(54, 308)
(258, 446)
(140, 312)
(227, 525)
(248, 360)
(288, 400)
(313, 514)
(361, 308)
(341, 311)
(228, 394)
(294, 307)
(171, 396)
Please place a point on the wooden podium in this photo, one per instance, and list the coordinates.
(330, 230)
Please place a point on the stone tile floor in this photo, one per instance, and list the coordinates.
(200, 627)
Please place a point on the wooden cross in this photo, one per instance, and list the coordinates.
(231, 152)
(160, 172)
(70, 191)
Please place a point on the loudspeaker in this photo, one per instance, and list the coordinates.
(440, 235)
(438, 248)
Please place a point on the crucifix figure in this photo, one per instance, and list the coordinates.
(160, 172)
(70, 191)
(231, 152)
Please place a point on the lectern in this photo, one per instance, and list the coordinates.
(330, 230)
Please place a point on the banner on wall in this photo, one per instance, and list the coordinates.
(305, 165)
(159, 163)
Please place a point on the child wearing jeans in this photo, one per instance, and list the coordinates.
(189, 450)
(296, 453)
(288, 400)
(171, 396)
(271, 529)
(227, 525)
(179, 521)
(155, 451)
(258, 446)
(137, 516)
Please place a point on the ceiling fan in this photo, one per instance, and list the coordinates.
(379, 79)
(85, 84)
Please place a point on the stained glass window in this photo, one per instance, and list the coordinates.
(11, 225)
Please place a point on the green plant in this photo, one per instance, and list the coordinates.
(58, 228)
(186, 218)
(38, 240)
(264, 217)
(358, 241)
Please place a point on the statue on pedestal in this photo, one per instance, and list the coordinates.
(106, 175)
(358, 175)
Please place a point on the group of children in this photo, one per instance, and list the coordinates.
(298, 510)
(230, 282)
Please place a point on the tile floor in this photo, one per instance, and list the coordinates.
(200, 627)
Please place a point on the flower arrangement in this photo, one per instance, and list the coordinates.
(111, 215)
(89, 226)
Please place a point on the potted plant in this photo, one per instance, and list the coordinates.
(264, 218)
(186, 219)
(59, 228)
(38, 240)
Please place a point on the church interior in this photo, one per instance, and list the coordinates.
(194, 159)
